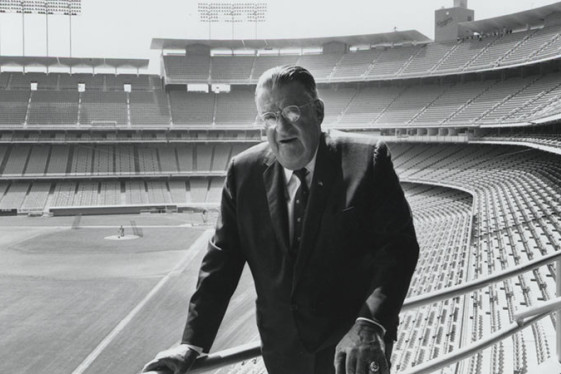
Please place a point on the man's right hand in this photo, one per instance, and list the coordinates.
(175, 360)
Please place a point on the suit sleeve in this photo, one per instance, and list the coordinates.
(219, 274)
(395, 243)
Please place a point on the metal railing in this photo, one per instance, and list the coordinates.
(522, 319)
(220, 359)
(226, 357)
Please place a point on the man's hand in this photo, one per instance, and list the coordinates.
(362, 351)
(176, 360)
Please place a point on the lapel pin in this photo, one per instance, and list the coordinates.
(320, 183)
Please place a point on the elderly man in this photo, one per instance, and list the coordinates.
(325, 228)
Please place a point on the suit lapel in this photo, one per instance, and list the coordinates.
(274, 187)
(322, 184)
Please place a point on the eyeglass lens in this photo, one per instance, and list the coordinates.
(291, 113)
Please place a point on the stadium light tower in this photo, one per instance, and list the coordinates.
(258, 15)
(233, 13)
(46, 7)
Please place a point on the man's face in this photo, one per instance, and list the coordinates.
(293, 144)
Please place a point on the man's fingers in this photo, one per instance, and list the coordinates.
(384, 368)
(151, 366)
(350, 362)
(370, 360)
(362, 365)
(157, 365)
(381, 362)
(382, 365)
(159, 371)
(340, 362)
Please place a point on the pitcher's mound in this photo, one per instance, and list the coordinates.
(126, 237)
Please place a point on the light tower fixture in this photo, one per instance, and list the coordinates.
(220, 12)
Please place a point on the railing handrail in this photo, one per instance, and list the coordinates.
(251, 350)
(544, 307)
(470, 350)
(450, 292)
(522, 319)
(221, 358)
(226, 357)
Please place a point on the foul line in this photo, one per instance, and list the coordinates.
(113, 334)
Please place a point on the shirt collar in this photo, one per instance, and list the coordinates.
(310, 167)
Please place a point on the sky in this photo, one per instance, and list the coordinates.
(125, 28)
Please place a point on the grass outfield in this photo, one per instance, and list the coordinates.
(74, 302)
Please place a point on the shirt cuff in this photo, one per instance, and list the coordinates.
(374, 323)
(199, 350)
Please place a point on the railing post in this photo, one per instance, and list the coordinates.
(558, 319)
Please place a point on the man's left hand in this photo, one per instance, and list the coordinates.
(362, 351)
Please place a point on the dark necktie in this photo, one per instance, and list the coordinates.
(300, 202)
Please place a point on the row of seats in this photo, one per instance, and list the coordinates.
(111, 160)
(89, 108)
(442, 221)
(113, 108)
(517, 99)
(548, 140)
(185, 135)
(37, 196)
(236, 107)
(517, 210)
(477, 102)
(70, 82)
(471, 54)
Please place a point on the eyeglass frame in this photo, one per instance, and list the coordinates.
(279, 113)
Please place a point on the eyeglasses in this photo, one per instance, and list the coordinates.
(291, 113)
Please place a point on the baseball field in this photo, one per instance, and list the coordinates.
(78, 296)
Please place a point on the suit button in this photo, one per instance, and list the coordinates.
(294, 307)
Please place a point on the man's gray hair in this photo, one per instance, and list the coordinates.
(281, 75)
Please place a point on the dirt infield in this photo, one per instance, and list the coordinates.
(73, 302)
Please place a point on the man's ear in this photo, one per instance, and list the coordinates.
(320, 110)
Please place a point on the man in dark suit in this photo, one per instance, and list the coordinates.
(327, 233)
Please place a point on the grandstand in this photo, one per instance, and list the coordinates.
(472, 122)
(521, 98)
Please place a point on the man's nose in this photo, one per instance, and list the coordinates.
(283, 124)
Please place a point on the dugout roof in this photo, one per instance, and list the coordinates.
(394, 37)
(514, 21)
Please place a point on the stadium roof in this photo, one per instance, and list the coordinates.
(514, 21)
(394, 37)
(73, 61)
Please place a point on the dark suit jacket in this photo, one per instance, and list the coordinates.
(357, 254)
